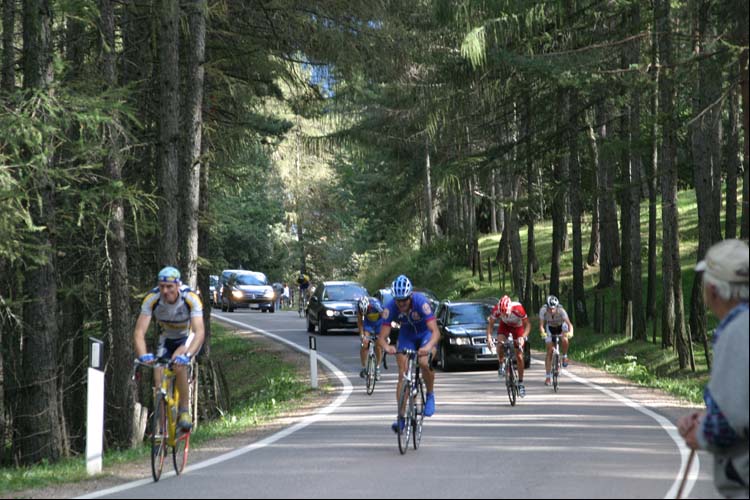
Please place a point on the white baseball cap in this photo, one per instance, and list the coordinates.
(727, 261)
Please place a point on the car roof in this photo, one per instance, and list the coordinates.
(334, 283)
(485, 302)
(257, 274)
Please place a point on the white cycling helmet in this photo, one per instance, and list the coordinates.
(552, 301)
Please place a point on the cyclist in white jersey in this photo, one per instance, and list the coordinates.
(554, 320)
(179, 313)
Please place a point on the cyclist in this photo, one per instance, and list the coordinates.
(514, 323)
(369, 321)
(303, 281)
(418, 332)
(553, 320)
(179, 313)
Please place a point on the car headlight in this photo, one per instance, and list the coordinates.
(237, 294)
(460, 340)
(330, 313)
(268, 294)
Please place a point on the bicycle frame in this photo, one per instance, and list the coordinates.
(555, 361)
(511, 377)
(411, 402)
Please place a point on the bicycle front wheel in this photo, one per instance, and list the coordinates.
(159, 433)
(510, 384)
(418, 415)
(180, 452)
(370, 374)
(405, 404)
(555, 370)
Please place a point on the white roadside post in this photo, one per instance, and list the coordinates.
(313, 362)
(95, 408)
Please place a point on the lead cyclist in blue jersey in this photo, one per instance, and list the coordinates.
(418, 332)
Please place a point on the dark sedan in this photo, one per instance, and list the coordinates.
(334, 306)
(463, 334)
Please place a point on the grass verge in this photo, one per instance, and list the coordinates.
(263, 387)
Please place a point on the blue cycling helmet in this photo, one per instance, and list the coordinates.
(169, 275)
(401, 288)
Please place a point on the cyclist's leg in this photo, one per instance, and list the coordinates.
(501, 338)
(427, 374)
(565, 344)
(550, 347)
(363, 347)
(519, 360)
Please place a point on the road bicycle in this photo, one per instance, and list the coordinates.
(555, 361)
(511, 370)
(302, 303)
(164, 431)
(411, 403)
(371, 366)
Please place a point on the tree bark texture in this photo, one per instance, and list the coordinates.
(169, 132)
(579, 295)
(610, 235)
(8, 64)
(731, 159)
(196, 50)
(674, 314)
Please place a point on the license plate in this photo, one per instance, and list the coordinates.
(488, 350)
(352, 319)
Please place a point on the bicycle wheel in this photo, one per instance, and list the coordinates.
(158, 437)
(370, 374)
(510, 382)
(180, 452)
(555, 370)
(405, 405)
(419, 403)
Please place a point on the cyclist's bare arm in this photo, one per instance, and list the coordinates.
(385, 331)
(490, 326)
(139, 334)
(434, 339)
(199, 333)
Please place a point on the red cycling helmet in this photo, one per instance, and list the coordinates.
(504, 305)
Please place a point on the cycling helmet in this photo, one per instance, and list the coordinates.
(401, 288)
(552, 301)
(362, 305)
(504, 305)
(169, 275)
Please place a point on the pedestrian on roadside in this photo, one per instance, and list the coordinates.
(722, 427)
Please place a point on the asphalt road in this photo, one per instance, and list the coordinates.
(586, 441)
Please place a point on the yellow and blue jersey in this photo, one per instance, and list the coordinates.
(174, 319)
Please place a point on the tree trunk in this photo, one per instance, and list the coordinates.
(203, 239)
(196, 51)
(733, 164)
(674, 316)
(653, 184)
(169, 134)
(705, 139)
(632, 167)
(610, 236)
(579, 295)
(493, 203)
(122, 396)
(745, 221)
(594, 255)
(428, 193)
(8, 65)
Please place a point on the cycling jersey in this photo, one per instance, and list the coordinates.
(511, 324)
(414, 321)
(304, 281)
(174, 319)
(553, 320)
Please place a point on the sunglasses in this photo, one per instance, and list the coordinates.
(402, 301)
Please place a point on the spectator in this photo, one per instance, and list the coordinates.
(287, 295)
(722, 427)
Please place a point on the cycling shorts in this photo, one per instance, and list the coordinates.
(507, 330)
(167, 347)
(553, 330)
(413, 341)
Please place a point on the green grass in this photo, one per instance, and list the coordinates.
(645, 363)
(263, 386)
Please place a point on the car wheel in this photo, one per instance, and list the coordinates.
(444, 364)
(310, 326)
(321, 326)
(273, 309)
(526, 357)
(223, 307)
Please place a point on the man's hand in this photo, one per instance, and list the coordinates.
(182, 359)
(147, 358)
(425, 351)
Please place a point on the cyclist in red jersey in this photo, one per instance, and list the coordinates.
(513, 323)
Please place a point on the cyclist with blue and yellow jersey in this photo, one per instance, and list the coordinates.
(369, 321)
(179, 313)
(419, 332)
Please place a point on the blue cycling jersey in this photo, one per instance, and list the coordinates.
(414, 321)
(372, 327)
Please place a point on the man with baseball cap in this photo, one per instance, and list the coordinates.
(722, 428)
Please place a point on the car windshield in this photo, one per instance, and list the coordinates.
(344, 292)
(248, 279)
(213, 280)
(468, 313)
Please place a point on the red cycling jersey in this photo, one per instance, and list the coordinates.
(511, 324)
